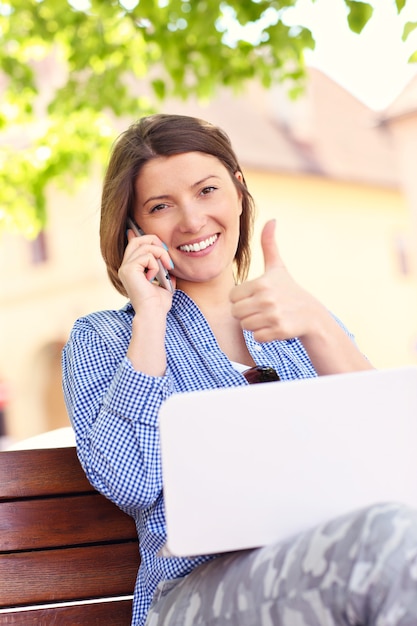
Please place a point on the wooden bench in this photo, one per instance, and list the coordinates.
(68, 556)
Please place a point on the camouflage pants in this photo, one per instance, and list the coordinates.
(358, 570)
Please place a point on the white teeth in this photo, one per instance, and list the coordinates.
(202, 245)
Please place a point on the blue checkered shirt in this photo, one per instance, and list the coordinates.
(114, 411)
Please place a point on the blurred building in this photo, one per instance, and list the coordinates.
(337, 176)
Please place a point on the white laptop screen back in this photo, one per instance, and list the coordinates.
(247, 466)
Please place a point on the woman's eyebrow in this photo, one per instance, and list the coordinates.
(203, 180)
(156, 199)
(167, 196)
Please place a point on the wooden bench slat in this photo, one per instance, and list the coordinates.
(73, 520)
(19, 480)
(68, 574)
(115, 613)
(61, 541)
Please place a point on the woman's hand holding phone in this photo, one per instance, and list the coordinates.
(150, 302)
(162, 275)
(145, 260)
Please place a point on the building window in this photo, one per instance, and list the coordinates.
(38, 249)
(402, 254)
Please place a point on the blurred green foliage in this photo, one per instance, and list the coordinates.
(54, 130)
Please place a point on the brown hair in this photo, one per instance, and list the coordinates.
(150, 137)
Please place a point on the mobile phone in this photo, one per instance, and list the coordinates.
(163, 275)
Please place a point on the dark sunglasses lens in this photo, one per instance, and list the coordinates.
(260, 375)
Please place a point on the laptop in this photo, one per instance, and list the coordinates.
(247, 466)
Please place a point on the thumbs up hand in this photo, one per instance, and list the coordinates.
(274, 306)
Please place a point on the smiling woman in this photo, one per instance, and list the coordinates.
(164, 136)
(197, 215)
(179, 179)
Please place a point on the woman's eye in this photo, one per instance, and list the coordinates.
(158, 207)
(208, 190)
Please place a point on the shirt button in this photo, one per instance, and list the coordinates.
(257, 348)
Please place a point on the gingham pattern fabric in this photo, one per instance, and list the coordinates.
(114, 411)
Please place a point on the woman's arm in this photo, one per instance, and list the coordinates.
(114, 411)
(151, 303)
(114, 383)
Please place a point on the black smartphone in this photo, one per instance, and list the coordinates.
(163, 275)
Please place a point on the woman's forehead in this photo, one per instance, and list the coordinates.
(183, 167)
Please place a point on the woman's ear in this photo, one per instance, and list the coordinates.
(239, 177)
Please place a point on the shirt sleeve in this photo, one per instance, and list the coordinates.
(114, 412)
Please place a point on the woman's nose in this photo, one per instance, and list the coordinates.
(191, 219)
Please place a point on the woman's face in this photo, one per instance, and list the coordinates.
(191, 203)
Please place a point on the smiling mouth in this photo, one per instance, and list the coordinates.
(201, 245)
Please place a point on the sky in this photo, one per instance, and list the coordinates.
(373, 65)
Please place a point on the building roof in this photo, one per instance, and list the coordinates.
(405, 104)
(328, 132)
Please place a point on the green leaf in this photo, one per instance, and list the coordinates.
(413, 58)
(94, 64)
(408, 28)
(400, 5)
(359, 14)
(159, 88)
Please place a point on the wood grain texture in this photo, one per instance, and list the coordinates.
(104, 614)
(30, 473)
(61, 541)
(66, 521)
(68, 574)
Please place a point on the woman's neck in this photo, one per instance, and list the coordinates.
(210, 296)
(213, 300)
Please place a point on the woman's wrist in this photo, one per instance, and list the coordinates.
(330, 349)
(146, 350)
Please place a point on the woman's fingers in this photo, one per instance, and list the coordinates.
(140, 265)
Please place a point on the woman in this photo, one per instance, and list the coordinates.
(178, 179)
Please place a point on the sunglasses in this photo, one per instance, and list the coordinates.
(260, 374)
